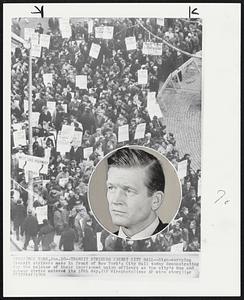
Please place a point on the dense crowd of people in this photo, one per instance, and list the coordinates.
(112, 98)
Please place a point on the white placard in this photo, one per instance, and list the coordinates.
(28, 32)
(151, 98)
(87, 152)
(142, 76)
(41, 213)
(26, 105)
(182, 169)
(17, 126)
(160, 21)
(140, 131)
(34, 119)
(45, 40)
(94, 51)
(68, 130)
(154, 110)
(90, 26)
(48, 79)
(51, 105)
(123, 133)
(47, 153)
(130, 43)
(77, 139)
(19, 138)
(65, 28)
(177, 248)
(34, 163)
(35, 38)
(81, 81)
(104, 32)
(63, 144)
(150, 48)
(36, 50)
(99, 244)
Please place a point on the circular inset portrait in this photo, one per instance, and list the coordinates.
(134, 192)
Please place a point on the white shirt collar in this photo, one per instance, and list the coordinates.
(147, 232)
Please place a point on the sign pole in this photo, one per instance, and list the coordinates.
(30, 177)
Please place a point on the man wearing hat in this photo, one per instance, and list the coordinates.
(30, 228)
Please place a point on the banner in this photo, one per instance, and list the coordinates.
(182, 169)
(48, 79)
(81, 81)
(41, 213)
(140, 131)
(90, 26)
(123, 133)
(28, 32)
(87, 152)
(160, 21)
(94, 51)
(150, 48)
(19, 138)
(130, 43)
(34, 163)
(142, 76)
(104, 32)
(45, 40)
(77, 139)
(36, 50)
(34, 119)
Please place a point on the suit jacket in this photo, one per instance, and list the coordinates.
(159, 228)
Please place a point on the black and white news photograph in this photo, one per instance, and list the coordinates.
(115, 148)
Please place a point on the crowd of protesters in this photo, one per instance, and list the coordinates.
(112, 98)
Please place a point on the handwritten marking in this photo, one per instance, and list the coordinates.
(222, 194)
(40, 11)
(192, 12)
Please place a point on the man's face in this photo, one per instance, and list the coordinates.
(129, 203)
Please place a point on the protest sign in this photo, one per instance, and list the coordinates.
(34, 163)
(68, 130)
(150, 48)
(87, 152)
(26, 106)
(94, 51)
(151, 98)
(28, 32)
(62, 181)
(47, 153)
(177, 248)
(34, 119)
(34, 38)
(142, 76)
(36, 50)
(63, 143)
(160, 21)
(104, 32)
(77, 139)
(19, 138)
(51, 105)
(22, 160)
(99, 243)
(45, 40)
(48, 79)
(130, 43)
(123, 133)
(81, 81)
(140, 131)
(90, 26)
(154, 110)
(17, 126)
(65, 28)
(41, 213)
(182, 169)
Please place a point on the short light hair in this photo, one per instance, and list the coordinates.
(130, 158)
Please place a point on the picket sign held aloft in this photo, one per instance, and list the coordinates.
(87, 152)
(95, 50)
(41, 213)
(150, 48)
(36, 50)
(45, 40)
(27, 33)
(81, 81)
(130, 43)
(140, 131)
(104, 32)
(123, 133)
(48, 79)
(142, 76)
(182, 169)
(33, 163)
(19, 138)
(160, 21)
